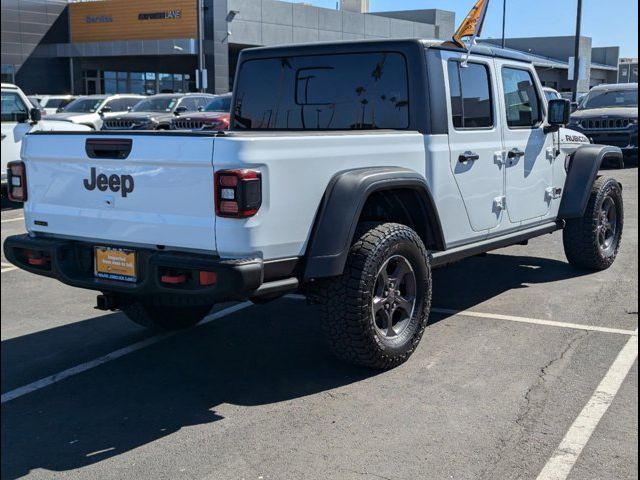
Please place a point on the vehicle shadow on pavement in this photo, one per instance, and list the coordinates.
(258, 356)
(463, 285)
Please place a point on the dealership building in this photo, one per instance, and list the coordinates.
(151, 46)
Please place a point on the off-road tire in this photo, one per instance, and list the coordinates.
(581, 235)
(165, 317)
(347, 301)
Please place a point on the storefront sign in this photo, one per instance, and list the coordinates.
(98, 19)
(170, 15)
(117, 20)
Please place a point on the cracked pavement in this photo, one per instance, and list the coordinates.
(256, 396)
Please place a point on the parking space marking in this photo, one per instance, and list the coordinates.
(535, 321)
(12, 219)
(565, 456)
(7, 267)
(83, 367)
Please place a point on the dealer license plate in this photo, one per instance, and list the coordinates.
(115, 264)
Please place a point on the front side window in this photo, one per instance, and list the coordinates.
(219, 104)
(162, 104)
(471, 105)
(13, 107)
(360, 91)
(56, 102)
(190, 104)
(521, 98)
(84, 105)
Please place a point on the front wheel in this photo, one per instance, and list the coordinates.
(593, 241)
(165, 317)
(376, 312)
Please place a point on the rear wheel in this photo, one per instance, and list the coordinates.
(376, 312)
(592, 242)
(165, 317)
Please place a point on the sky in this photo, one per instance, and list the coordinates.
(609, 23)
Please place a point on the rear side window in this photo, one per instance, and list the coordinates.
(471, 105)
(361, 91)
(521, 98)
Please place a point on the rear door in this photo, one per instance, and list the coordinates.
(475, 139)
(152, 189)
(528, 171)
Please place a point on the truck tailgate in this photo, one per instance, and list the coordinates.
(160, 194)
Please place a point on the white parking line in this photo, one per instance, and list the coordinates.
(535, 321)
(511, 318)
(567, 453)
(12, 219)
(83, 367)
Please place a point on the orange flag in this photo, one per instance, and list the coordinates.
(472, 25)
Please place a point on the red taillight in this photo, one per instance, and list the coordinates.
(17, 182)
(238, 193)
(208, 278)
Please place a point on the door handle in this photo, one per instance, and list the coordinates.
(468, 157)
(515, 153)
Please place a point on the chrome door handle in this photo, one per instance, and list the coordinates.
(515, 153)
(468, 157)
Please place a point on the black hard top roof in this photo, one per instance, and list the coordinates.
(370, 45)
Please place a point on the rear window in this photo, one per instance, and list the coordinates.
(362, 91)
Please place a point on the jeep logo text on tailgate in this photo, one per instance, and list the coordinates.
(115, 183)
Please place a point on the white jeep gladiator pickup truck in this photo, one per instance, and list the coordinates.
(350, 170)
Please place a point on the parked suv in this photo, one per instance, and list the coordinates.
(54, 103)
(608, 115)
(20, 117)
(215, 116)
(92, 110)
(350, 170)
(157, 112)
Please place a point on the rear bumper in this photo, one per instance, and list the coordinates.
(72, 263)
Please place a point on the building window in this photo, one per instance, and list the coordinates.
(8, 73)
(147, 83)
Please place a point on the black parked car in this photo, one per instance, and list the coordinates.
(157, 111)
(608, 115)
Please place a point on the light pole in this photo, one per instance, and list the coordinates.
(504, 21)
(576, 58)
(201, 78)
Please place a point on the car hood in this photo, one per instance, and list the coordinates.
(49, 125)
(203, 115)
(73, 117)
(144, 116)
(618, 112)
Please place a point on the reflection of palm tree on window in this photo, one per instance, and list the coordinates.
(284, 65)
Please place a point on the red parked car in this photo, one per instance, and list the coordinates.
(215, 116)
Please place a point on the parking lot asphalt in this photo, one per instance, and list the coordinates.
(492, 392)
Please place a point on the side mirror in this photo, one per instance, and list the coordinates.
(59, 109)
(201, 108)
(179, 110)
(35, 115)
(574, 106)
(106, 109)
(559, 111)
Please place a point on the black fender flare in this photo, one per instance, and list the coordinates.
(583, 169)
(337, 217)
